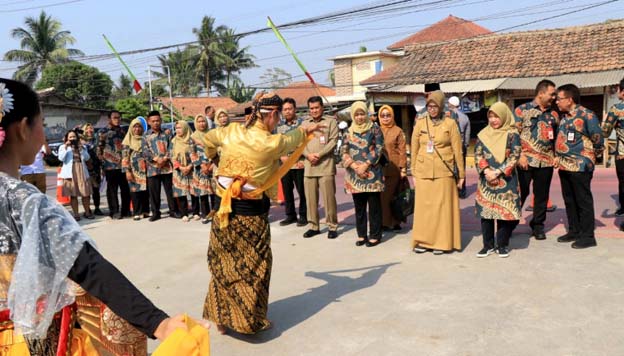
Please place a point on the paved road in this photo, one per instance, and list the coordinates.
(330, 297)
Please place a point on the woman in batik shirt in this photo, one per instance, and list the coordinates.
(361, 152)
(496, 154)
(135, 167)
(42, 249)
(202, 176)
(240, 238)
(182, 147)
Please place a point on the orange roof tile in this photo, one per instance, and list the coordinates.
(302, 91)
(581, 49)
(191, 106)
(450, 28)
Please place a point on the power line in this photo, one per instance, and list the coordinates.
(41, 6)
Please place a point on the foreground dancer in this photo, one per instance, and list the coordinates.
(239, 253)
(42, 248)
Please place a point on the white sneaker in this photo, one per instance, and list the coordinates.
(185, 219)
(196, 217)
(420, 249)
(438, 252)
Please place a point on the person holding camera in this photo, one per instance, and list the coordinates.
(74, 173)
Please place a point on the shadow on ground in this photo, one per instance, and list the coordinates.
(290, 312)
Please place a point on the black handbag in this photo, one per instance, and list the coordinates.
(402, 204)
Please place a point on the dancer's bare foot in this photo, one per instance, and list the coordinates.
(221, 329)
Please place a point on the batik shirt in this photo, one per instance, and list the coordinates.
(285, 127)
(156, 145)
(579, 138)
(537, 133)
(109, 146)
(499, 200)
(134, 161)
(615, 120)
(182, 183)
(201, 183)
(367, 148)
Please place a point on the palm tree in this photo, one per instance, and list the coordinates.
(185, 78)
(234, 58)
(210, 58)
(42, 43)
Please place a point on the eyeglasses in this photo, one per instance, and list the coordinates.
(432, 107)
(385, 115)
(560, 98)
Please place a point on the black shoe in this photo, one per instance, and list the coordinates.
(97, 211)
(485, 252)
(175, 215)
(551, 209)
(584, 243)
(539, 236)
(289, 220)
(154, 218)
(619, 212)
(88, 216)
(332, 235)
(302, 222)
(566, 238)
(117, 216)
(396, 228)
(503, 251)
(386, 228)
(361, 242)
(311, 233)
(369, 243)
(205, 221)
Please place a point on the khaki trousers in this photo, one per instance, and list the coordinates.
(327, 186)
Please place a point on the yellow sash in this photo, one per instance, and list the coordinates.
(192, 342)
(235, 190)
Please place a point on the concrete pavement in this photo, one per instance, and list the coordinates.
(331, 297)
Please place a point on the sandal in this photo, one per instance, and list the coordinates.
(77, 217)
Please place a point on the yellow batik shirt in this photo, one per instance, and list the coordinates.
(250, 153)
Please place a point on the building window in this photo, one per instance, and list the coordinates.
(378, 66)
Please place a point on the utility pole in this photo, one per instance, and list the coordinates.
(149, 70)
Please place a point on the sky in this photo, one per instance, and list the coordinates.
(132, 25)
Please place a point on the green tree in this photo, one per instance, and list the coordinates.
(238, 92)
(132, 107)
(123, 88)
(331, 76)
(42, 44)
(211, 57)
(234, 57)
(363, 49)
(185, 76)
(276, 78)
(79, 83)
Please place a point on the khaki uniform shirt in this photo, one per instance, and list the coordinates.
(426, 163)
(323, 143)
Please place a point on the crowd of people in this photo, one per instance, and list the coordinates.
(230, 172)
(515, 154)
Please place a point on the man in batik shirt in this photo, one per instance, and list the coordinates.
(578, 142)
(159, 167)
(294, 178)
(615, 120)
(537, 123)
(109, 147)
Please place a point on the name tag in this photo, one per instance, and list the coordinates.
(570, 136)
(322, 139)
(430, 146)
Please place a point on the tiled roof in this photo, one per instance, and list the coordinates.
(383, 76)
(194, 106)
(301, 91)
(581, 49)
(450, 28)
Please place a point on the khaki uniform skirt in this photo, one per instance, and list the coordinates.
(79, 186)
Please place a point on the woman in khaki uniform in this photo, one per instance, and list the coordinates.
(394, 148)
(436, 150)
